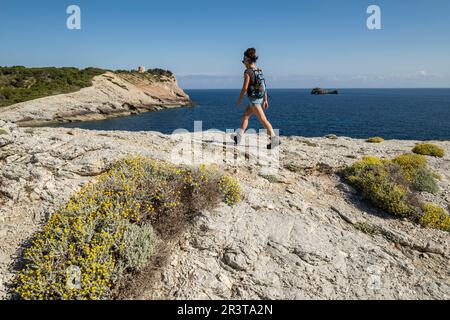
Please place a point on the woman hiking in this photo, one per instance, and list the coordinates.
(255, 88)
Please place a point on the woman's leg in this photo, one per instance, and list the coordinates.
(247, 114)
(259, 112)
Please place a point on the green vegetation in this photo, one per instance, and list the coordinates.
(270, 177)
(2, 132)
(309, 143)
(392, 185)
(366, 228)
(382, 183)
(429, 149)
(375, 140)
(293, 167)
(160, 72)
(410, 163)
(114, 225)
(19, 84)
(152, 75)
(425, 180)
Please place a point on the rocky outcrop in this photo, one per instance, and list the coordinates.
(319, 91)
(109, 96)
(296, 234)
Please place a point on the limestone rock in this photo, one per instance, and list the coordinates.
(283, 241)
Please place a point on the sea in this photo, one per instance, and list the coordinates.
(409, 114)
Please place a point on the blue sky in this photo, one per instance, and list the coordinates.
(300, 43)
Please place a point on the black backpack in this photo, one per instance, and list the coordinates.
(257, 87)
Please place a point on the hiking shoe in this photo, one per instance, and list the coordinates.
(274, 142)
(237, 139)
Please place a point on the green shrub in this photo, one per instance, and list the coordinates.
(375, 140)
(106, 229)
(392, 185)
(379, 187)
(151, 75)
(425, 180)
(269, 177)
(139, 243)
(293, 167)
(2, 132)
(309, 143)
(160, 72)
(435, 217)
(353, 172)
(429, 149)
(410, 163)
(19, 84)
(415, 170)
(366, 228)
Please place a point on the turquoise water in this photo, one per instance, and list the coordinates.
(419, 114)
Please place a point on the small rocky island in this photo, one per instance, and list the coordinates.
(320, 91)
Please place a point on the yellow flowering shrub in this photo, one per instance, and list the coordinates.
(375, 140)
(379, 187)
(392, 185)
(352, 172)
(231, 189)
(111, 227)
(429, 149)
(435, 217)
(410, 163)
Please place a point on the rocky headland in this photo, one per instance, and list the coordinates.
(296, 234)
(112, 94)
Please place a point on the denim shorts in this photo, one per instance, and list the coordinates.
(256, 101)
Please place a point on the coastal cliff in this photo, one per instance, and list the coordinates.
(112, 94)
(296, 234)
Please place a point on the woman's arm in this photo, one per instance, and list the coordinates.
(244, 90)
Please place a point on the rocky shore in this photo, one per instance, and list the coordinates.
(295, 235)
(111, 95)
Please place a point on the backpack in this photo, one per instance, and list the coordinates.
(257, 87)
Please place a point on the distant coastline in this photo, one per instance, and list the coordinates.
(59, 95)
